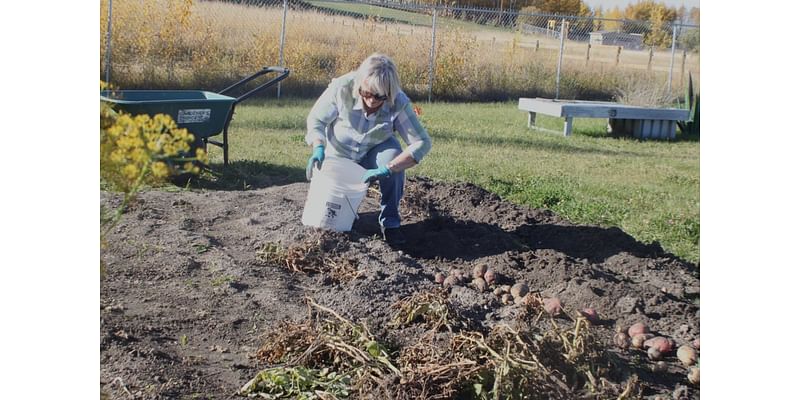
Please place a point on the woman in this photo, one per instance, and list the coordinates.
(356, 118)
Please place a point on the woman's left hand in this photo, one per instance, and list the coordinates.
(374, 174)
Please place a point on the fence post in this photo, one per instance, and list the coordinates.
(619, 51)
(672, 57)
(433, 55)
(683, 67)
(108, 45)
(588, 49)
(650, 60)
(283, 39)
(560, 56)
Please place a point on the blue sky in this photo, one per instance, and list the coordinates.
(608, 4)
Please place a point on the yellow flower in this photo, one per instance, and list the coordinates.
(160, 170)
(131, 172)
(132, 144)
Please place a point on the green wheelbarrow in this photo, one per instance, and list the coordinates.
(204, 114)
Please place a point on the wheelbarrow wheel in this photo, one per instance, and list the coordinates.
(185, 178)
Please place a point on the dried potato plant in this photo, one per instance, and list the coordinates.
(285, 340)
(329, 341)
(572, 349)
(436, 369)
(432, 308)
(317, 253)
(552, 362)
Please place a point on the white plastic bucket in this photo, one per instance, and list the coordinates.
(334, 196)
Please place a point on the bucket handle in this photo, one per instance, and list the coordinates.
(351, 206)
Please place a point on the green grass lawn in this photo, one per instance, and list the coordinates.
(650, 189)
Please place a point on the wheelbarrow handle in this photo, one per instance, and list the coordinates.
(284, 72)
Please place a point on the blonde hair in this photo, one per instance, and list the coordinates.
(378, 75)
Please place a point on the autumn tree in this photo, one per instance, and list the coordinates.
(558, 7)
(694, 16)
(614, 14)
(660, 17)
(598, 23)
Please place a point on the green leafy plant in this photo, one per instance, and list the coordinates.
(692, 125)
(298, 383)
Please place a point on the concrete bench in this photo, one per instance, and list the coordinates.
(640, 122)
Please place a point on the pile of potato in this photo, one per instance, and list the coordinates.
(484, 278)
(638, 336)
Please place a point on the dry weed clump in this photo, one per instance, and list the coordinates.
(644, 93)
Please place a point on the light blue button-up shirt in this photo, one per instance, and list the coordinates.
(340, 121)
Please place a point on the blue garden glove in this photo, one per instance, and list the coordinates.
(374, 174)
(317, 156)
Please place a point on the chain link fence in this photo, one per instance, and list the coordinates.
(443, 53)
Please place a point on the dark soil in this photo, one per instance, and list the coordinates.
(186, 301)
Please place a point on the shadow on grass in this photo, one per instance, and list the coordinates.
(533, 142)
(687, 137)
(247, 175)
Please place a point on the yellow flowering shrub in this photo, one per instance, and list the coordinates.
(138, 150)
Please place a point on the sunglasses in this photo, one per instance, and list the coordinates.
(368, 95)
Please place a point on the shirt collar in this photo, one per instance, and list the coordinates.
(359, 105)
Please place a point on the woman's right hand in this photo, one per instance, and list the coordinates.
(317, 156)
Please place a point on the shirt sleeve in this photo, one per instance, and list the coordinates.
(322, 114)
(411, 130)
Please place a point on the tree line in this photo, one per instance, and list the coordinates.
(658, 16)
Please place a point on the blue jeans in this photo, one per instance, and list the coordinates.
(391, 187)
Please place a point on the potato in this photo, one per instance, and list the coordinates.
(638, 328)
(653, 353)
(552, 306)
(439, 278)
(506, 299)
(687, 354)
(591, 315)
(479, 270)
(622, 340)
(638, 340)
(694, 375)
(663, 344)
(519, 290)
(504, 288)
(660, 366)
(451, 281)
(489, 276)
(498, 292)
(480, 285)
(696, 343)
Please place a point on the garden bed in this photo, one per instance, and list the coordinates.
(198, 282)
